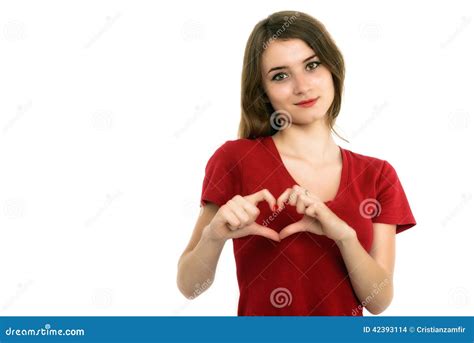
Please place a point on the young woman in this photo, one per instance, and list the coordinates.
(313, 225)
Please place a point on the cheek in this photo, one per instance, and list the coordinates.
(280, 92)
(326, 83)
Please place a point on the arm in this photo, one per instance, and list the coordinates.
(371, 274)
(197, 265)
(235, 219)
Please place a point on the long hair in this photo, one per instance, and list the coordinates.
(256, 109)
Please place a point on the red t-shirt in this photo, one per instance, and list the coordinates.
(304, 274)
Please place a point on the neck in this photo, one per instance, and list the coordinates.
(308, 142)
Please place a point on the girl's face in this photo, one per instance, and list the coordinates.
(291, 73)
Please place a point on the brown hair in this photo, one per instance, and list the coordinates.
(255, 106)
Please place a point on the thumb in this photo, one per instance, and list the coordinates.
(257, 229)
(299, 226)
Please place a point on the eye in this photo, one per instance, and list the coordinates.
(277, 77)
(310, 66)
(313, 65)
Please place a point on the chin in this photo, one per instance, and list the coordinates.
(315, 117)
(307, 121)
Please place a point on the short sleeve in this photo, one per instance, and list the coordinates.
(394, 206)
(222, 176)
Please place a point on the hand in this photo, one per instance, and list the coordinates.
(317, 219)
(237, 217)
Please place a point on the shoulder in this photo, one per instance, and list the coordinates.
(236, 147)
(368, 165)
(231, 153)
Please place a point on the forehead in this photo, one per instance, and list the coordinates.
(285, 53)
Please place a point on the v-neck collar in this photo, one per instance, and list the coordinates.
(344, 172)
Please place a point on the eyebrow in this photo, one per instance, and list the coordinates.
(283, 67)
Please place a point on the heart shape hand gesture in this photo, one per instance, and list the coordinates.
(237, 217)
(317, 217)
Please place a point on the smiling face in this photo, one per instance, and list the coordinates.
(291, 73)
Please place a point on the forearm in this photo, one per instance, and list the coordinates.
(196, 269)
(372, 284)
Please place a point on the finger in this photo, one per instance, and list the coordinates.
(310, 211)
(283, 198)
(239, 212)
(303, 201)
(264, 194)
(257, 229)
(317, 210)
(292, 228)
(293, 198)
(230, 219)
(301, 204)
(298, 191)
(251, 210)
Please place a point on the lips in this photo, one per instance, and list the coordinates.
(308, 101)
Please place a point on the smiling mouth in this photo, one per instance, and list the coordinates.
(307, 102)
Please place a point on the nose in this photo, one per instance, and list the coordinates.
(301, 84)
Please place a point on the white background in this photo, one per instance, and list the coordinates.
(110, 110)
